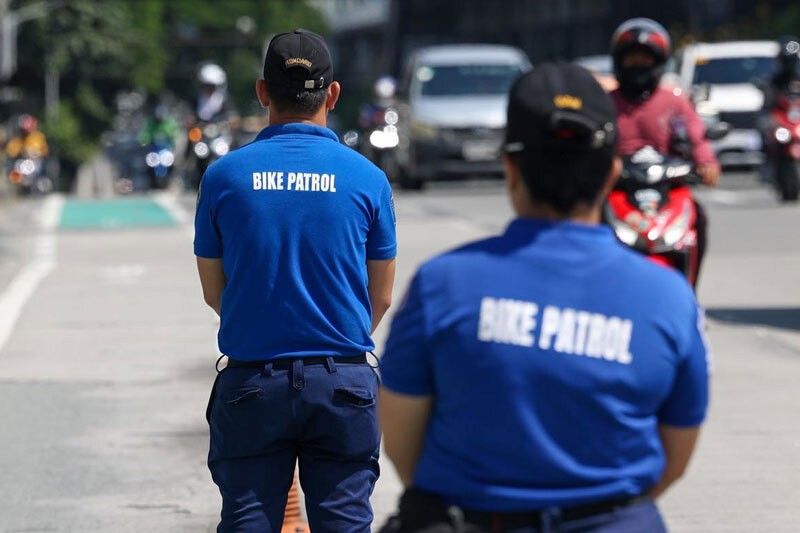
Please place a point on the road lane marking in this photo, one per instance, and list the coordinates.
(169, 203)
(117, 213)
(25, 283)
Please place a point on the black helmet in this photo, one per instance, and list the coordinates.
(646, 35)
(789, 57)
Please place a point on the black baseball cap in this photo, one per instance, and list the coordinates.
(298, 60)
(559, 107)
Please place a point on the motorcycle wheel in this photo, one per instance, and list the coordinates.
(788, 181)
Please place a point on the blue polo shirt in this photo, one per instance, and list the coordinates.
(553, 353)
(295, 216)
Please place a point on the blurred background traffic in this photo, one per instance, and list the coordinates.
(124, 96)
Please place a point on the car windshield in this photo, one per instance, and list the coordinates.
(463, 80)
(731, 70)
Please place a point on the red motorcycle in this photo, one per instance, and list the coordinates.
(785, 151)
(652, 211)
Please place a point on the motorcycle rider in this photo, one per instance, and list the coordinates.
(383, 97)
(648, 115)
(786, 79)
(785, 82)
(372, 116)
(30, 142)
(159, 127)
(212, 99)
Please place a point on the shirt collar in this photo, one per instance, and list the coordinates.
(296, 128)
(530, 228)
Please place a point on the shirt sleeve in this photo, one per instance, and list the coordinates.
(687, 403)
(207, 238)
(406, 366)
(702, 151)
(382, 239)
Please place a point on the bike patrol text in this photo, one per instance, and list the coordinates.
(294, 181)
(568, 331)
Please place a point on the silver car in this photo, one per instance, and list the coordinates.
(452, 111)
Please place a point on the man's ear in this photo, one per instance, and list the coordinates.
(613, 175)
(262, 93)
(512, 172)
(334, 90)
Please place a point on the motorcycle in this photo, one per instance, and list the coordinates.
(29, 176)
(207, 143)
(652, 211)
(651, 208)
(382, 140)
(784, 152)
(160, 160)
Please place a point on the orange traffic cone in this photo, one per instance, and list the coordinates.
(292, 519)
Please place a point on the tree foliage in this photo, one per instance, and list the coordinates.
(101, 47)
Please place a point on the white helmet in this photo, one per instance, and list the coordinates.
(212, 74)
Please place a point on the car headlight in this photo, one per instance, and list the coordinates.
(220, 147)
(423, 130)
(152, 159)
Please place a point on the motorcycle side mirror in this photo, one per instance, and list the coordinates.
(701, 92)
(350, 138)
(718, 131)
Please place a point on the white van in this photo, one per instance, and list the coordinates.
(453, 110)
(729, 71)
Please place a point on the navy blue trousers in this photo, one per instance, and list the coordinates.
(264, 420)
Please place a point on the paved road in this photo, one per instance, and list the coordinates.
(107, 361)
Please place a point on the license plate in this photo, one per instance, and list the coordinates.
(480, 150)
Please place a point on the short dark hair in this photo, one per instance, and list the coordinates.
(563, 179)
(300, 102)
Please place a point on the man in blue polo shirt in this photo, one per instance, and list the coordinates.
(295, 245)
(547, 379)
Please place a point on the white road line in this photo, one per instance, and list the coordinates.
(25, 283)
(169, 202)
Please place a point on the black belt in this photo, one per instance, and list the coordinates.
(285, 363)
(419, 509)
(503, 521)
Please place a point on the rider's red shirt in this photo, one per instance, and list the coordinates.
(650, 123)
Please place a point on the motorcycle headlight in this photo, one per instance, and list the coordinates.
(655, 173)
(624, 232)
(678, 228)
(211, 130)
(27, 166)
(220, 147)
(423, 130)
(167, 158)
(782, 135)
(201, 150)
(152, 159)
(385, 138)
(391, 117)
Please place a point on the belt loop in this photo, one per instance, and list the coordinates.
(551, 519)
(267, 370)
(330, 365)
(216, 365)
(298, 380)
